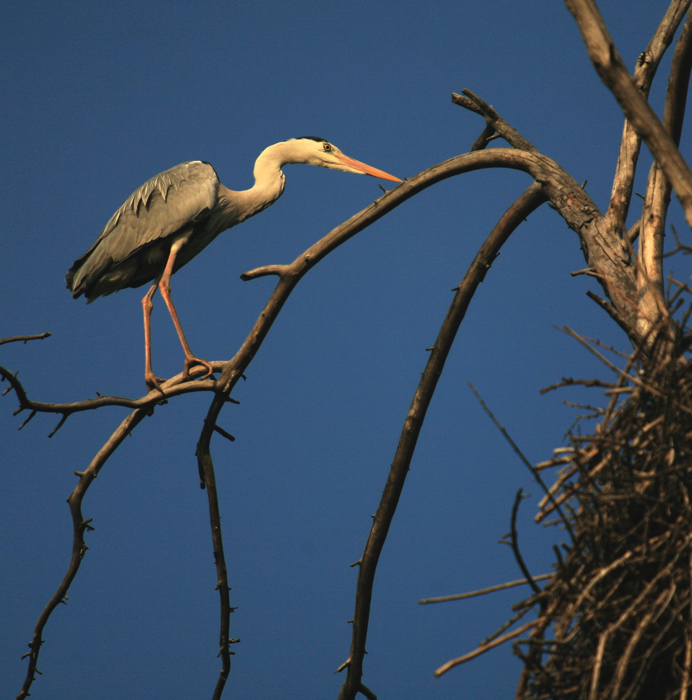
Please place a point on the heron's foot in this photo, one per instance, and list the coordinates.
(191, 362)
(153, 382)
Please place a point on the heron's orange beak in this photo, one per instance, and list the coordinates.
(367, 169)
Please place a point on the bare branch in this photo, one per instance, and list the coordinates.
(651, 280)
(612, 71)
(536, 475)
(678, 82)
(608, 253)
(79, 526)
(532, 198)
(567, 196)
(232, 371)
(208, 480)
(264, 271)
(515, 539)
(174, 386)
(474, 103)
(611, 310)
(630, 144)
(24, 338)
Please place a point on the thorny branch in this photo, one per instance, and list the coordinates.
(231, 371)
(532, 198)
(79, 526)
(175, 386)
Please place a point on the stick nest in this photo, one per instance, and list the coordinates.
(615, 620)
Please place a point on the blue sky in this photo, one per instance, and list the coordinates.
(97, 98)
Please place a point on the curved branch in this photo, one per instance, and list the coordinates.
(556, 182)
(472, 102)
(607, 256)
(289, 276)
(552, 183)
(572, 202)
(532, 198)
(514, 542)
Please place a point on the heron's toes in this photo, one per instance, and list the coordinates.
(191, 362)
(153, 382)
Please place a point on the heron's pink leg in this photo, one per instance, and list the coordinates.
(147, 306)
(165, 285)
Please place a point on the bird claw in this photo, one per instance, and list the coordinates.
(153, 382)
(190, 362)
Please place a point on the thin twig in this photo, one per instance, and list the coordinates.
(484, 591)
(24, 338)
(521, 456)
(515, 542)
(482, 649)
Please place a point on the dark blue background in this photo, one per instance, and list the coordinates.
(97, 98)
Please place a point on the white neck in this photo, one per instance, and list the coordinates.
(268, 187)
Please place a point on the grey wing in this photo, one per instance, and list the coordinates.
(164, 205)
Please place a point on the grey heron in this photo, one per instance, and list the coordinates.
(173, 216)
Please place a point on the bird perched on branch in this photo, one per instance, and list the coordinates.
(175, 215)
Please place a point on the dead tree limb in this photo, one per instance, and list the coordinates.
(630, 144)
(231, 371)
(658, 191)
(175, 386)
(532, 198)
(80, 525)
(24, 338)
(613, 72)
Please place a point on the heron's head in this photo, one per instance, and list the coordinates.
(314, 150)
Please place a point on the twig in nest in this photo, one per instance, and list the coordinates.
(484, 591)
(483, 648)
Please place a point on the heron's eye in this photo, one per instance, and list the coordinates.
(327, 147)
